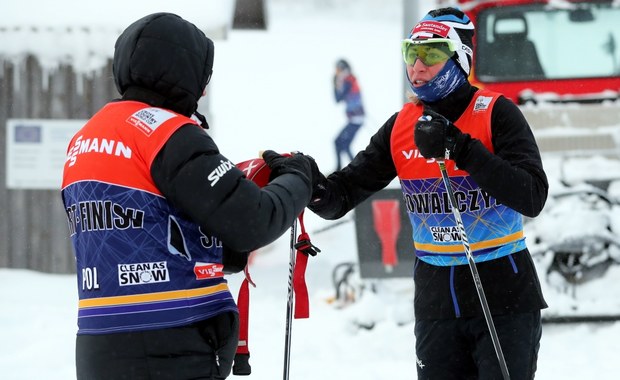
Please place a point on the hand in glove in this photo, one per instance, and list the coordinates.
(233, 261)
(436, 137)
(297, 163)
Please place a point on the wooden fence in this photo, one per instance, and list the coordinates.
(33, 227)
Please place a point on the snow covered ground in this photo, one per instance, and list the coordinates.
(272, 90)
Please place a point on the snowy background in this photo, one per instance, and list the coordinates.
(272, 90)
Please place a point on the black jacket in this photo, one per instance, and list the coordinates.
(166, 63)
(513, 175)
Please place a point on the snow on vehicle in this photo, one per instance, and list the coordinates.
(575, 244)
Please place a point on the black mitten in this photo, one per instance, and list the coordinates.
(436, 137)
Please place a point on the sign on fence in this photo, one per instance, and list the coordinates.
(36, 151)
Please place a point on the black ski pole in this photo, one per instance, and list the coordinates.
(289, 304)
(474, 270)
(332, 225)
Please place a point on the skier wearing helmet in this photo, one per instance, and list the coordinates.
(157, 215)
(497, 175)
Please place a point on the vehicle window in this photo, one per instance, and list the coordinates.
(582, 40)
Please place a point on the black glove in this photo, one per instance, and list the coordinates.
(436, 137)
(320, 185)
(298, 163)
(234, 261)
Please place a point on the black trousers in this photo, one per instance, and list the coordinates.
(202, 350)
(462, 348)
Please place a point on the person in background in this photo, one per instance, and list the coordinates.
(347, 89)
(157, 215)
(496, 172)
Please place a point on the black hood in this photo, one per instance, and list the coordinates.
(164, 61)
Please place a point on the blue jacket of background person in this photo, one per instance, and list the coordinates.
(347, 89)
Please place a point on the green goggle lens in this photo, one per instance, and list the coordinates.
(430, 54)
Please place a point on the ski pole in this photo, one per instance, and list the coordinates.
(289, 304)
(474, 270)
(332, 225)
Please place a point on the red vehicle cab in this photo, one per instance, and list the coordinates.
(554, 51)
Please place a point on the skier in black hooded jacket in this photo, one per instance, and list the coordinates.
(157, 215)
(496, 171)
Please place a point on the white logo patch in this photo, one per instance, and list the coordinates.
(143, 273)
(445, 234)
(482, 103)
(149, 119)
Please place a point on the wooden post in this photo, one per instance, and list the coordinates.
(250, 14)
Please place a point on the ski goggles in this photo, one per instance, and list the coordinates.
(430, 51)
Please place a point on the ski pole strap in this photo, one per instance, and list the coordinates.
(304, 248)
(302, 304)
(241, 364)
(303, 241)
(243, 303)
